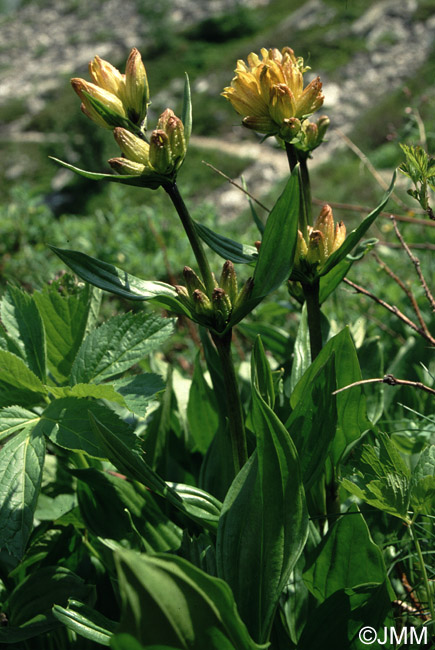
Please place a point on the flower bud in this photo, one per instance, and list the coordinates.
(322, 126)
(325, 223)
(177, 142)
(261, 124)
(221, 306)
(105, 75)
(316, 247)
(183, 297)
(202, 302)
(228, 280)
(131, 146)
(311, 99)
(108, 99)
(136, 88)
(125, 166)
(340, 236)
(193, 282)
(160, 152)
(290, 128)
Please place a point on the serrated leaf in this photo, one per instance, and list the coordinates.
(18, 384)
(187, 608)
(117, 345)
(102, 391)
(21, 318)
(66, 319)
(257, 528)
(14, 418)
(110, 278)
(21, 464)
(66, 422)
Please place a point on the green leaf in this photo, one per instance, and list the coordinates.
(117, 345)
(66, 422)
(312, 424)
(201, 506)
(226, 247)
(261, 374)
(186, 113)
(21, 318)
(423, 482)
(102, 391)
(277, 250)
(351, 410)
(152, 181)
(137, 391)
(330, 281)
(264, 523)
(38, 626)
(336, 565)
(67, 316)
(110, 278)
(105, 500)
(202, 410)
(354, 237)
(38, 592)
(301, 351)
(85, 621)
(18, 384)
(21, 464)
(276, 339)
(168, 601)
(14, 418)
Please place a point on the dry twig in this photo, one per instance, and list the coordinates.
(390, 380)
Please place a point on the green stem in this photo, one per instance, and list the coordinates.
(423, 570)
(306, 189)
(236, 423)
(194, 240)
(292, 156)
(311, 294)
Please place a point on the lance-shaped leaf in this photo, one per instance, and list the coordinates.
(151, 181)
(264, 523)
(85, 621)
(423, 482)
(354, 237)
(21, 464)
(226, 247)
(110, 278)
(186, 113)
(167, 601)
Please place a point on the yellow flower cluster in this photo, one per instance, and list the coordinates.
(269, 92)
(322, 239)
(120, 102)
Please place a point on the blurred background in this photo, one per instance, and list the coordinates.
(375, 58)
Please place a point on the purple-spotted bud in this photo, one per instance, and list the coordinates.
(228, 281)
(316, 247)
(131, 146)
(160, 152)
(290, 128)
(136, 88)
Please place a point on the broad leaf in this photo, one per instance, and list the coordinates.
(66, 422)
(337, 566)
(264, 523)
(23, 322)
(14, 418)
(423, 482)
(166, 601)
(202, 410)
(85, 621)
(138, 390)
(102, 391)
(110, 278)
(67, 316)
(18, 384)
(278, 245)
(261, 374)
(117, 345)
(21, 464)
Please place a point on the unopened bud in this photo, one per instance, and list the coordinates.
(108, 99)
(193, 282)
(125, 166)
(160, 153)
(340, 236)
(183, 296)
(262, 124)
(105, 75)
(228, 280)
(316, 247)
(177, 142)
(131, 146)
(322, 126)
(290, 128)
(136, 87)
(221, 302)
(325, 223)
(202, 303)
